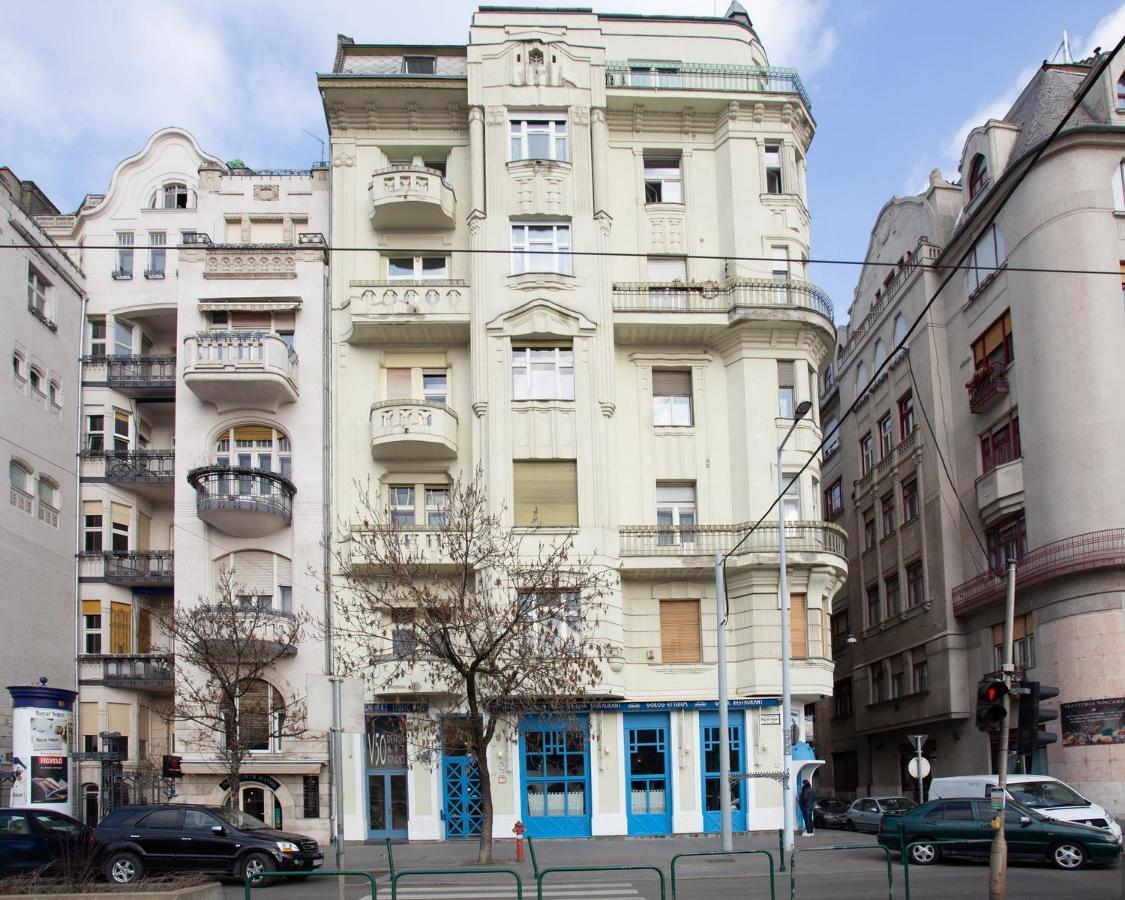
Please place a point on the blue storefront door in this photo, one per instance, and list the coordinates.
(387, 809)
(709, 737)
(649, 766)
(554, 771)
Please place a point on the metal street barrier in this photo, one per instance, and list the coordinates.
(262, 880)
(793, 864)
(397, 874)
(541, 874)
(764, 853)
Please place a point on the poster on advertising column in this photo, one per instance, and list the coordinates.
(1090, 722)
(42, 726)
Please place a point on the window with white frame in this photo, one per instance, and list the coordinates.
(97, 338)
(122, 338)
(417, 268)
(437, 505)
(124, 267)
(981, 263)
(157, 254)
(786, 390)
(541, 247)
(54, 392)
(663, 176)
(37, 288)
(37, 381)
(435, 386)
(542, 373)
(655, 74)
(261, 580)
(672, 398)
(92, 524)
(91, 632)
(47, 492)
(861, 379)
(19, 367)
(538, 137)
(419, 65)
(554, 617)
(400, 504)
(19, 478)
(675, 510)
(254, 447)
(791, 499)
(256, 719)
(174, 195)
(773, 168)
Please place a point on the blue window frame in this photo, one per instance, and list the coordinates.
(554, 771)
(709, 738)
(649, 783)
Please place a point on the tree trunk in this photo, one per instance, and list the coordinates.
(480, 755)
(234, 773)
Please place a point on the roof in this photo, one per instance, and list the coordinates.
(1046, 99)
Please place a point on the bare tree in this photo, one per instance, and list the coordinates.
(494, 620)
(225, 651)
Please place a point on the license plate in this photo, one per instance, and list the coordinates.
(317, 863)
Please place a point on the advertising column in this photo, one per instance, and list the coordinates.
(42, 722)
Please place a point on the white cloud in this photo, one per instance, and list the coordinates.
(1105, 34)
(995, 108)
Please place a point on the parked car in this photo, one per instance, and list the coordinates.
(1029, 834)
(829, 813)
(34, 838)
(134, 840)
(866, 813)
(1046, 795)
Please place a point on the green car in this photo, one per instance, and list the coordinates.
(1030, 835)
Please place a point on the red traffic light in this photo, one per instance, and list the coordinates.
(990, 704)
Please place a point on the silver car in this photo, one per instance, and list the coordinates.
(866, 814)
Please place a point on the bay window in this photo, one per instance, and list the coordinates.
(1001, 444)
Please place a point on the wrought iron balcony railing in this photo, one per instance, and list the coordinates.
(151, 671)
(673, 76)
(146, 372)
(140, 567)
(240, 488)
(987, 383)
(139, 467)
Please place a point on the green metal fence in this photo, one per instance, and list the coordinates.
(765, 853)
(793, 864)
(541, 874)
(397, 874)
(264, 880)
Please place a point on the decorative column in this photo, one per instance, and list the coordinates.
(476, 160)
(599, 148)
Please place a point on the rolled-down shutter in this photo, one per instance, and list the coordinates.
(679, 631)
(399, 384)
(248, 319)
(121, 514)
(88, 715)
(118, 717)
(798, 626)
(253, 433)
(253, 571)
(91, 607)
(785, 373)
(546, 492)
(120, 628)
(671, 383)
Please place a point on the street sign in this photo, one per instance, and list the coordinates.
(996, 795)
(918, 740)
(99, 757)
(918, 767)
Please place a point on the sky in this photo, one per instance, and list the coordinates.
(895, 85)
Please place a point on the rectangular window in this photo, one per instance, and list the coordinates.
(680, 637)
(539, 138)
(866, 453)
(773, 169)
(122, 433)
(399, 383)
(437, 505)
(419, 65)
(834, 499)
(95, 434)
(124, 255)
(897, 685)
(995, 347)
(921, 677)
(906, 415)
(545, 492)
(671, 398)
(1001, 444)
(654, 74)
(791, 499)
(541, 247)
(157, 254)
(798, 626)
(663, 175)
(122, 339)
(435, 386)
(542, 373)
(915, 588)
(888, 509)
(909, 500)
(675, 509)
(840, 630)
(786, 392)
(667, 270)
(878, 683)
(401, 503)
(120, 519)
(92, 526)
(886, 437)
(842, 697)
(97, 338)
(1006, 541)
(869, 529)
(831, 436)
(982, 261)
(92, 630)
(37, 287)
(1023, 642)
(894, 604)
(120, 628)
(417, 268)
(873, 605)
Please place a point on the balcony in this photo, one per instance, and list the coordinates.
(142, 377)
(1000, 491)
(1080, 553)
(413, 429)
(680, 77)
(671, 547)
(411, 198)
(900, 455)
(242, 502)
(141, 568)
(414, 545)
(241, 370)
(689, 310)
(988, 382)
(149, 472)
(415, 311)
(139, 671)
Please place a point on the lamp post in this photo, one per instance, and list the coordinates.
(786, 664)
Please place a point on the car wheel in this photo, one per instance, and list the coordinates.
(925, 854)
(256, 866)
(849, 825)
(124, 868)
(1068, 855)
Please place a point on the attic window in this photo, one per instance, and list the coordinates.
(1121, 94)
(535, 56)
(419, 65)
(978, 175)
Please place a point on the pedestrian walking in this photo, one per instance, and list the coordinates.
(806, 799)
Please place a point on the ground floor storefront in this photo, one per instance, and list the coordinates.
(612, 768)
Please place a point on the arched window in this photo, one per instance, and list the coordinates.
(861, 379)
(48, 492)
(35, 376)
(254, 447)
(20, 477)
(900, 329)
(255, 718)
(880, 353)
(173, 195)
(260, 579)
(18, 366)
(1121, 94)
(90, 811)
(56, 394)
(978, 175)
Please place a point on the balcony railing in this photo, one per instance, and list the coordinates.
(141, 467)
(242, 501)
(140, 374)
(411, 197)
(233, 369)
(706, 77)
(987, 383)
(721, 297)
(421, 544)
(140, 567)
(140, 671)
(707, 540)
(413, 429)
(1082, 552)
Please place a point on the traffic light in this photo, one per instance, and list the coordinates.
(170, 767)
(1029, 738)
(990, 704)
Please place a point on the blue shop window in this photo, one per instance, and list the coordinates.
(555, 772)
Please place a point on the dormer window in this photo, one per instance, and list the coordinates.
(174, 195)
(978, 175)
(419, 65)
(1121, 94)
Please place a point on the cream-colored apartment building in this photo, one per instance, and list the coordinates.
(202, 399)
(577, 260)
(1017, 366)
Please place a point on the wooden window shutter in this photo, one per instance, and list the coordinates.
(680, 640)
(785, 373)
(144, 631)
(671, 383)
(118, 716)
(248, 319)
(546, 492)
(284, 321)
(798, 627)
(144, 527)
(253, 433)
(91, 607)
(120, 628)
(88, 713)
(142, 723)
(399, 384)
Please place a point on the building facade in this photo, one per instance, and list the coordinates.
(1009, 433)
(634, 214)
(43, 292)
(201, 453)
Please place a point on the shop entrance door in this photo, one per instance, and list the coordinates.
(388, 807)
(464, 814)
(649, 766)
(554, 769)
(709, 737)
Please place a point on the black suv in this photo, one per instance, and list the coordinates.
(133, 840)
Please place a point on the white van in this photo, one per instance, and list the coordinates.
(1049, 796)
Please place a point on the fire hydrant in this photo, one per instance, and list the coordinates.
(518, 831)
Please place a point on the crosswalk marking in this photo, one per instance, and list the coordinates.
(580, 891)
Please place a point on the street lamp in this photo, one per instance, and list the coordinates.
(783, 597)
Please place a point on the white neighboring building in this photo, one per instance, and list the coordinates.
(672, 378)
